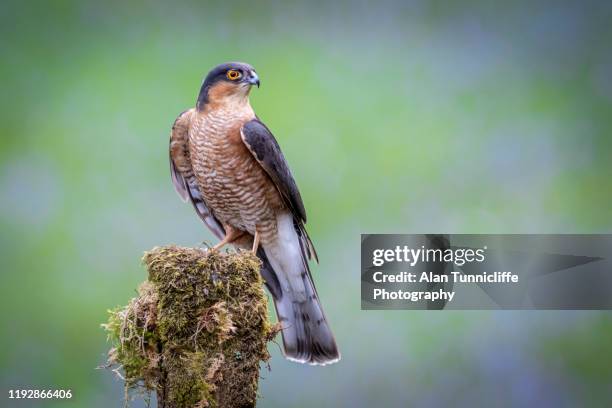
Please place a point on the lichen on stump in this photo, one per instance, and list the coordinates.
(197, 332)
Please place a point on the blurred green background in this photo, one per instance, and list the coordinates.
(406, 117)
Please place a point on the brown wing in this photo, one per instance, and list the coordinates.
(183, 178)
(264, 147)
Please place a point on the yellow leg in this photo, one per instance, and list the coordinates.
(231, 234)
(256, 242)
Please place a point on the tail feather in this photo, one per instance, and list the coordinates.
(307, 337)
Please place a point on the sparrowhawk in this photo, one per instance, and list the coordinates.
(229, 165)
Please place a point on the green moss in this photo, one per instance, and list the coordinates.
(197, 331)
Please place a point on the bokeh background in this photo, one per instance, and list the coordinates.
(406, 117)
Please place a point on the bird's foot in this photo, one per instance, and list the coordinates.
(231, 234)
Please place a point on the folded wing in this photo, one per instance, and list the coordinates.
(264, 147)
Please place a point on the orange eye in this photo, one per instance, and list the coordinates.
(233, 74)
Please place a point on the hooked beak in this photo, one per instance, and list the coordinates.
(253, 78)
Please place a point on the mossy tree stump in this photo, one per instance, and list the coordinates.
(197, 332)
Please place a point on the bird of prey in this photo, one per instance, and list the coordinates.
(228, 164)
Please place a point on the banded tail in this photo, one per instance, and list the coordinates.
(307, 337)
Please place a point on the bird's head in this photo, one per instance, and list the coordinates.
(227, 83)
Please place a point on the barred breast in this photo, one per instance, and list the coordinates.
(234, 185)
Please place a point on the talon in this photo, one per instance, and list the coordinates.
(220, 244)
